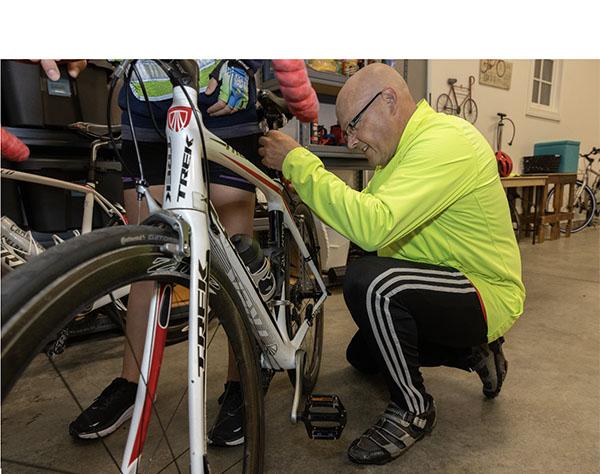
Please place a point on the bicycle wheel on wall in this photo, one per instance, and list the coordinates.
(500, 68)
(584, 207)
(303, 294)
(469, 111)
(49, 291)
(444, 104)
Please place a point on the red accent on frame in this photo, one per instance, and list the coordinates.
(152, 382)
(179, 118)
(260, 178)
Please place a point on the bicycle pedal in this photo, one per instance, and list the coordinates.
(324, 416)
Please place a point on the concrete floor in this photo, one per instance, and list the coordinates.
(546, 420)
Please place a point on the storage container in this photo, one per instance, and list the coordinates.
(567, 149)
(541, 164)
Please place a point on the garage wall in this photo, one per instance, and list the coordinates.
(579, 110)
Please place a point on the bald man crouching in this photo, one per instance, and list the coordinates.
(445, 285)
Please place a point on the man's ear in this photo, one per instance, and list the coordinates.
(390, 97)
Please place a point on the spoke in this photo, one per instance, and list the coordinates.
(76, 400)
(36, 466)
(234, 464)
(175, 460)
(163, 436)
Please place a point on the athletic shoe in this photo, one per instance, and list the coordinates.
(395, 432)
(110, 410)
(490, 364)
(228, 429)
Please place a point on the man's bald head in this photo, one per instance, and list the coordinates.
(386, 104)
(363, 85)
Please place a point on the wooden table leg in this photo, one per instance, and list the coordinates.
(570, 209)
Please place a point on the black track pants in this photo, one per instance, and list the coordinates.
(413, 314)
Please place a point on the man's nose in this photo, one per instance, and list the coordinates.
(352, 141)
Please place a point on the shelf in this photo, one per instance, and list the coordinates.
(326, 83)
(340, 158)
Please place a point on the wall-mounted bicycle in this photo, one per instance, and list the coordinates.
(449, 103)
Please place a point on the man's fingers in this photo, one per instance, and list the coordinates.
(75, 67)
(219, 108)
(50, 68)
(212, 86)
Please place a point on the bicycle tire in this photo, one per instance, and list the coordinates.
(41, 297)
(301, 284)
(469, 111)
(500, 68)
(444, 104)
(584, 207)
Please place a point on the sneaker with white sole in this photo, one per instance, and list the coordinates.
(110, 410)
(228, 429)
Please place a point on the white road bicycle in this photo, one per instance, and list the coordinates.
(585, 198)
(183, 245)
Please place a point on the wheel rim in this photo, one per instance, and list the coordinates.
(161, 454)
(303, 283)
(584, 207)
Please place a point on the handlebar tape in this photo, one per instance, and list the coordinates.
(296, 89)
(13, 149)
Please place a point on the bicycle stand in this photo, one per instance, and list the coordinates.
(324, 416)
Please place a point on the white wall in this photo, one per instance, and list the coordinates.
(579, 110)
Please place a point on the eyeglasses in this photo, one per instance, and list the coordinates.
(351, 128)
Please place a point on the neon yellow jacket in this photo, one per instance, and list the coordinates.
(439, 200)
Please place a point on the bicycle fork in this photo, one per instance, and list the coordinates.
(191, 224)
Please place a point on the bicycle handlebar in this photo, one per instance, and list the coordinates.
(593, 152)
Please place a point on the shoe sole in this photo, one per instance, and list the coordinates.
(106, 431)
(501, 379)
(235, 442)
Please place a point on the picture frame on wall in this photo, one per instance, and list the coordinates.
(495, 73)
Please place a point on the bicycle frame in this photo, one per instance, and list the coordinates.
(467, 95)
(187, 209)
(92, 196)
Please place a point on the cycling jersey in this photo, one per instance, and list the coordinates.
(439, 200)
(160, 92)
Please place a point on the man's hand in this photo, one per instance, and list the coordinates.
(50, 66)
(274, 147)
(233, 95)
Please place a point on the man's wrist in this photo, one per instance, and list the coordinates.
(288, 160)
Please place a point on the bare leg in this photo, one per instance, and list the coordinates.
(139, 295)
(235, 208)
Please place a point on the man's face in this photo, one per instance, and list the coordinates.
(367, 125)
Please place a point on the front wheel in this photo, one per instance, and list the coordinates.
(469, 111)
(37, 301)
(584, 207)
